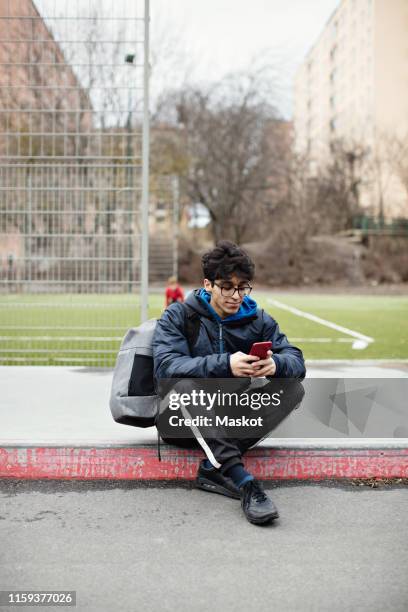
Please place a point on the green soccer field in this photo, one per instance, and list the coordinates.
(87, 329)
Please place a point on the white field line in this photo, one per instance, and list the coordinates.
(315, 319)
(30, 360)
(64, 338)
(322, 340)
(58, 327)
(119, 338)
(358, 362)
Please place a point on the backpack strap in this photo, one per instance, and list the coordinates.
(191, 325)
(191, 329)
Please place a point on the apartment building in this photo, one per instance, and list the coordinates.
(353, 87)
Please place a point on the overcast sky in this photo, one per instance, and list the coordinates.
(220, 36)
(202, 40)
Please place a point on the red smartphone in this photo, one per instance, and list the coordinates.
(260, 349)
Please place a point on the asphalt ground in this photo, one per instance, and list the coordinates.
(126, 548)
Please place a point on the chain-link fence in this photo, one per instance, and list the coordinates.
(71, 123)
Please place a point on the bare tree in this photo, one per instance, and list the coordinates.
(225, 132)
(338, 187)
(396, 161)
(387, 169)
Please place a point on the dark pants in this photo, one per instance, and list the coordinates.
(224, 447)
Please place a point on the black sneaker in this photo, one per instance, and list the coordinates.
(257, 506)
(210, 479)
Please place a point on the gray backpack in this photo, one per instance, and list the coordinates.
(133, 399)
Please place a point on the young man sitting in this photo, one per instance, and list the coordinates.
(229, 323)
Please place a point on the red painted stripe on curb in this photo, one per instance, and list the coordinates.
(141, 463)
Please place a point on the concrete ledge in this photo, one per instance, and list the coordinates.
(120, 462)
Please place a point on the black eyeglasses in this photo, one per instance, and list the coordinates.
(229, 290)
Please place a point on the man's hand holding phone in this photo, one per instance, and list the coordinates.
(257, 364)
(242, 364)
(265, 367)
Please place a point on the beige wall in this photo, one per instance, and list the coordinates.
(391, 65)
(353, 86)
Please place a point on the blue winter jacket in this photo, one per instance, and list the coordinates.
(217, 340)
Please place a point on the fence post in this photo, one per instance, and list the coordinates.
(144, 289)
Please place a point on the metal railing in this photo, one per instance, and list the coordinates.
(372, 224)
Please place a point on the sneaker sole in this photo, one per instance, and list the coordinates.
(263, 520)
(210, 487)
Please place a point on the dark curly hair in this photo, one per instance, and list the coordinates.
(225, 260)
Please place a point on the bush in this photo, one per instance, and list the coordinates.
(324, 260)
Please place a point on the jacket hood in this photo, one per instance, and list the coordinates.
(199, 300)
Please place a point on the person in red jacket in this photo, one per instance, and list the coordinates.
(174, 292)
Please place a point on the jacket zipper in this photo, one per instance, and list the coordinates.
(221, 344)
